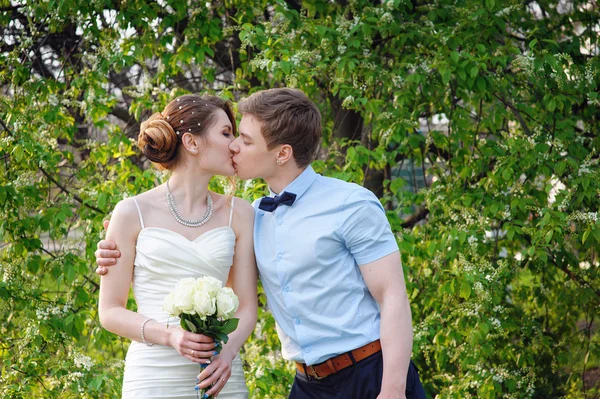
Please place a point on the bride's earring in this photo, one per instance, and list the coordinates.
(279, 162)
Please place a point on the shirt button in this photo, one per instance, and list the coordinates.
(279, 256)
(307, 349)
(297, 321)
(286, 288)
(280, 222)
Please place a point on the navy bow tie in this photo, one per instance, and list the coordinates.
(269, 204)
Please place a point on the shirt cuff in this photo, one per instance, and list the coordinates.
(383, 250)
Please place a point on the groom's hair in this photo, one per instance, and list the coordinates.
(288, 117)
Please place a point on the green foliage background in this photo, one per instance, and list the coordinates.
(494, 103)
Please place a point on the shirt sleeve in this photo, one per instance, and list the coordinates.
(365, 228)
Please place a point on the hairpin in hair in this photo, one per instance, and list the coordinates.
(179, 99)
(167, 117)
(193, 112)
(180, 107)
(189, 130)
(199, 124)
(181, 121)
(178, 132)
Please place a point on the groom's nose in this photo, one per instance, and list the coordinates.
(234, 147)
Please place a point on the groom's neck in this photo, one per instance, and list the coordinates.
(283, 176)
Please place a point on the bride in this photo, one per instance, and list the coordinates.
(176, 230)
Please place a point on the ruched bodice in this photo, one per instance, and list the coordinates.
(163, 257)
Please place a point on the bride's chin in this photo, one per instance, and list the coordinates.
(229, 172)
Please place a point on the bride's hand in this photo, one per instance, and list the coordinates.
(195, 347)
(217, 373)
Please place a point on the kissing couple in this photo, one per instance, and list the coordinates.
(326, 255)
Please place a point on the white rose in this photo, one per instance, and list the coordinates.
(227, 303)
(184, 295)
(204, 304)
(210, 285)
(169, 305)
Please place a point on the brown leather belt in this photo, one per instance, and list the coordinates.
(339, 362)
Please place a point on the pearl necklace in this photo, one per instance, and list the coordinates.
(190, 223)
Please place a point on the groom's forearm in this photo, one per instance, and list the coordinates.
(396, 343)
(385, 280)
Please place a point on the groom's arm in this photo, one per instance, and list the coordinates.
(385, 281)
(368, 236)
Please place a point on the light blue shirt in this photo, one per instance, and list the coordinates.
(308, 256)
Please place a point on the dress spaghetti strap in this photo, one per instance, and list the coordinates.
(230, 212)
(139, 211)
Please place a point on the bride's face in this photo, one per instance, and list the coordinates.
(214, 155)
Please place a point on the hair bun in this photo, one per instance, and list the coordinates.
(157, 139)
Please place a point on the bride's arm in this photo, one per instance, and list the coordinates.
(114, 290)
(243, 278)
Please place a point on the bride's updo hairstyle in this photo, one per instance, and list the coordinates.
(160, 135)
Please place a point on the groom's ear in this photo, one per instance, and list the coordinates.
(285, 154)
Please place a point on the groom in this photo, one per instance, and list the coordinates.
(328, 260)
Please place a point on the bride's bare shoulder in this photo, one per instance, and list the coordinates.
(149, 199)
(125, 215)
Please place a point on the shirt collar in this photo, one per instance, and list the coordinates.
(300, 183)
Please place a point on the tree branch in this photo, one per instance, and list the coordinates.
(415, 218)
(516, 112)
(64, 189)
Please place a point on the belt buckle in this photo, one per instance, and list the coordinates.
(314, 371)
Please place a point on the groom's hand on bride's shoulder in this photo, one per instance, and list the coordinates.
(106, 254)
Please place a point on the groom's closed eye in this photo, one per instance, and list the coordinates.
(246, 139)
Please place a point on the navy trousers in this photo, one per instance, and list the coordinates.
(360, 381)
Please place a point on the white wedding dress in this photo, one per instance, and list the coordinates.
(163, 257)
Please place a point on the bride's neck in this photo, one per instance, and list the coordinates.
(189, 189)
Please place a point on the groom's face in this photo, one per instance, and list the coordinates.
(251, 157)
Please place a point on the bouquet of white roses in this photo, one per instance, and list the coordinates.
(204, 306)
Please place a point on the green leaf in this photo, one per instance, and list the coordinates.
(585, 236)
(285, 67)
(485, 328)
(507, 174)
(532, 43)
(560, 168)
(397, 184)
(597, 234)
(101, 200)
(490, 4)
(446, 75)
(190, 326)
(230, 325)
(474, 71)
(585, 183)
(18, 152)
(431, 248)
(465, 289)
(481, 83)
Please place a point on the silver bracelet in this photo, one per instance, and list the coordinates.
(142, 333)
